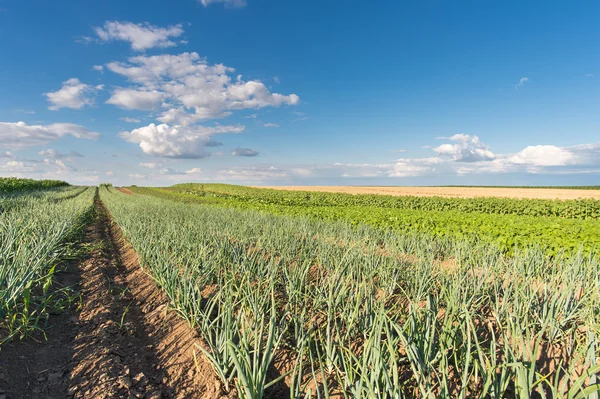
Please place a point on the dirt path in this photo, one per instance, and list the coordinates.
(125, 190)
(121, 343)
(456, 192)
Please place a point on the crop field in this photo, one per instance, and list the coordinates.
(35, 232)
(564, 193)
(303, 294)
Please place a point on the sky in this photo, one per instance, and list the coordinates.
(266, 92)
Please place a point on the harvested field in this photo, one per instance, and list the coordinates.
(453, 192)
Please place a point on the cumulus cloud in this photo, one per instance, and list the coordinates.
(227, 3)
(469, 156)
(467, 149)
(550, 155)
(144, 100)
(543, 155)
(189, 89)
(176, 141)
(20, 134)
(193, 171)
(141, 37)
(73, 94)
(244, 152)
(271, 125)
(531, 159)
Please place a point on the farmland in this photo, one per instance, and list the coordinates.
(35, 235)
(305, 294)
(553, 226)
(564, 193)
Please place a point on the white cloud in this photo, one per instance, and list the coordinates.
(48, 169)
(98, 68)
(141, 36)
(73, 94)
(244, 152)
(404, 167)
(170, 172)
(468, 149)
(19, 169)
(193, 171)
(256, 173)
(413, 167)
(110, 173)
(550, 155)
(543, 155)
(302, 171)
(60, 164)
(145, 100)
(136, 176)
(176, 141)
(181, 117)
(271, 125)
(522, 82)
(150, 165)
(50, 153)
(20, 134)
(130, 120)
(189, 88)
(227, 3)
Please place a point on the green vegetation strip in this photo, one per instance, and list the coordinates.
(367, 313)
(36, 234)
(554, 235)
(10, 184)
(569, 209)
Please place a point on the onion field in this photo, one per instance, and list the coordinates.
(304, 295)
(36, 232)
(336, 310)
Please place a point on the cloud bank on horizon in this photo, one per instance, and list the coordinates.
(153, 108)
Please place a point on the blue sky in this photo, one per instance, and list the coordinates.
(300, 92)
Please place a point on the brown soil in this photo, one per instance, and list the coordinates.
(122, 342)
(125, 190)
(457, 192)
